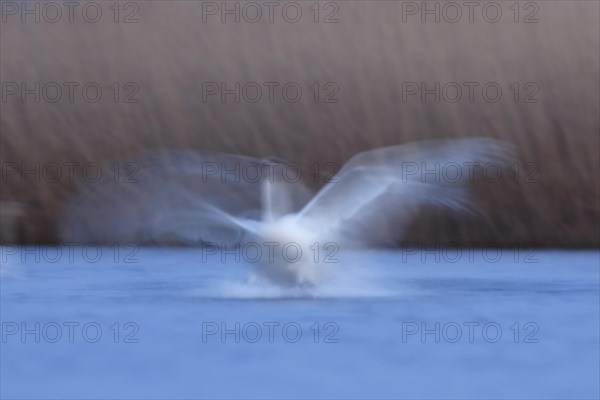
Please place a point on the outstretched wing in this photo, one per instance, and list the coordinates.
(383, 185)
(176, 197)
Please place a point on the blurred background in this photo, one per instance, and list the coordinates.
(160, 66)
(88, 88)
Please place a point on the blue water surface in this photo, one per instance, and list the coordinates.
(177, 323)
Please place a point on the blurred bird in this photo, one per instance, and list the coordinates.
(193, 199)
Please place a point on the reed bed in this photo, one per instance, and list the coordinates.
(368, 54)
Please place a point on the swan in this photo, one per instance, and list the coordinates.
(373, 197)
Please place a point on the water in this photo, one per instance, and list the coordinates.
(528, 325)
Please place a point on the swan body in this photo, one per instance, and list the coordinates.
(369, 201)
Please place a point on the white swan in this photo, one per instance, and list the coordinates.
(369, 201)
